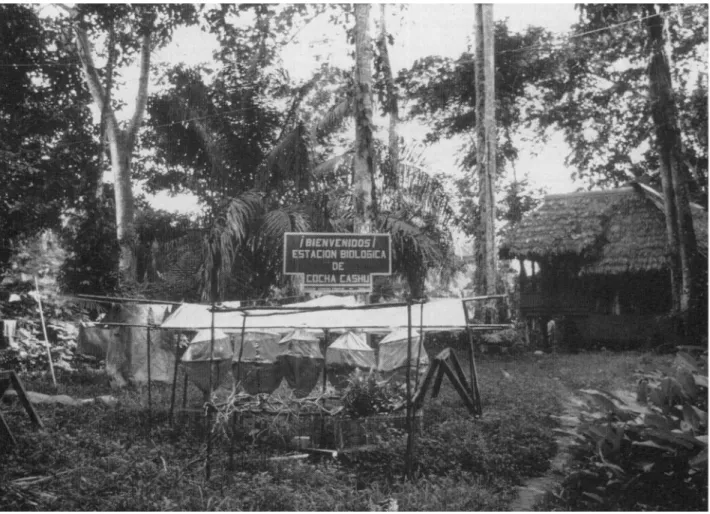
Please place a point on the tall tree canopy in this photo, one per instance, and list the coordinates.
(47, 158)
(599, 93)
(130, 31)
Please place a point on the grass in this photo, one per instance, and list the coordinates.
(103, 458)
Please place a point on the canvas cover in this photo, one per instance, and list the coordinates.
(94, 339)
(259, 346)
(301, 361)
(301, 343)
(348, 353)
(438, 315)
(127, 354)
(393, 351)
(201, 345)
(259, 370)
(350, 349)
(203, 357)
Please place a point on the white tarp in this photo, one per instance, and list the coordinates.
(351, 350)
(439, 315)
(203, 354)
(260, 370)
(127, 352)
(301, 361)
(393, 351)
(348, 353)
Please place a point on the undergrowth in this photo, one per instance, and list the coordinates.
(108, 458)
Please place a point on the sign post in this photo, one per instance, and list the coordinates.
(335, 262)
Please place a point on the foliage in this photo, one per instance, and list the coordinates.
(89, 236)
(366, 396)
(441, 91)
(518, 198)
(107, 458)
(243, 246)
(633, 452)
(45, 161)
(598, 94)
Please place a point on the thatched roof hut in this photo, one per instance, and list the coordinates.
(602, 265)
(610, 232)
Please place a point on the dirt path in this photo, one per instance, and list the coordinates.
(536, 488)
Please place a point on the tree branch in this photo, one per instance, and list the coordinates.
(92, 77)
(142, 97)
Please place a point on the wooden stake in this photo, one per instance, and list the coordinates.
(408, 419)
(175, 375)
(208, 409)
(46, 339)
(475, 393)
(150, 390)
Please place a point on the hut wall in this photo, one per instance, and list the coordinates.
(563, 292)
(626, 330)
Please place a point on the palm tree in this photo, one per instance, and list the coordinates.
(242, 254)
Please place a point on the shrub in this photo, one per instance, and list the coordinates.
(365, 395)
(633, 453)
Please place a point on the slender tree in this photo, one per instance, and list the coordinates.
(389, 98)
(142, 32)
(364, 159)
(486, 149)
(674, 174)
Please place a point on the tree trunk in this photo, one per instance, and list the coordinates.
(123, 194)
(674, 175)
(486, 261)
(364, 159)
(392, 106)
(121, 142)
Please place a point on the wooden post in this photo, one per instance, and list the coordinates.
(241, 347)
(175, 374)
(44, 331)
(475, 393)
(421, 343)
(325, 351)
(208, 410)
(408, 419)
(150, 391)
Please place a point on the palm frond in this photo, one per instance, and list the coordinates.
(241, 213)
(289, 161)
(329, 166)
(333, 119)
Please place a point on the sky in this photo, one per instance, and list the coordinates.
(419, 30)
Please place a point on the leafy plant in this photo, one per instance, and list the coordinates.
(633, 451)
(365, 395)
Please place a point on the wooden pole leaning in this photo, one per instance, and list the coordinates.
(44, 331)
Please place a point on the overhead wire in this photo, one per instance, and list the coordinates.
(514, 50)
(567, 37)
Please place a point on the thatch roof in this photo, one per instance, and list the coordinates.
(611, 232)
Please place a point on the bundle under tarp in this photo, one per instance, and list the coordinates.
(127, 351)
(348, 353)
(95, 339)
(301, 361)
(259, 370)
(202, 354)
(392, 360)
